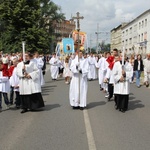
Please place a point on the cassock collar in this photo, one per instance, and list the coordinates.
(27, 62)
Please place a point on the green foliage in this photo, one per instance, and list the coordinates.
(24, 20)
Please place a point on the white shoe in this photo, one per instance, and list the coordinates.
(106, 96)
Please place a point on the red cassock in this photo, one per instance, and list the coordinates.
(10, 70)
(5, 70)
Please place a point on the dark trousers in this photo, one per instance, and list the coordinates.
(5, 99)
(18, 100)
(11, 95)
(110, 90)
(121, 101)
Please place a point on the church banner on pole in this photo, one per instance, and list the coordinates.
(68, 45)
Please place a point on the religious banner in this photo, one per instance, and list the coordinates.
(68, 45)
(82, 37)
(59, 49)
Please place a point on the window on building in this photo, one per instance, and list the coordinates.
(142, 24)
(139, 38)
(142, 37)
(131, 30)
(145, 22)
(126, 42)
(130, 41)
(139, 25)
(127, 32)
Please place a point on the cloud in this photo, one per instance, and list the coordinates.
(107, 13)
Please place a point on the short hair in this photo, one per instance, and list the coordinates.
(30, 55)
(115, 49)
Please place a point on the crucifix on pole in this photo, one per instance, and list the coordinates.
(78, 17)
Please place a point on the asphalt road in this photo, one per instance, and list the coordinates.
(58, 127)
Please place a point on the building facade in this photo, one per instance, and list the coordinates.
(116, 37)
(64, 29)
(136, 35)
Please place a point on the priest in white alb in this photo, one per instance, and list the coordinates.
(92, 74)
(102, 65)
(122, 75)
(79, 84)
(29, 85)
(54, 68)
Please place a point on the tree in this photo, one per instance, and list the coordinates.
(104, 47)
(24, 20)
(50, 13)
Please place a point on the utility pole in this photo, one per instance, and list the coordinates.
(90, 42)
(78, 17)
(97, 38)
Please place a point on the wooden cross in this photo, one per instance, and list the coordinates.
(78, 17)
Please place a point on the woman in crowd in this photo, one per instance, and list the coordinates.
(138, 68)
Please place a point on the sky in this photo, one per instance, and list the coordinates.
(102, 15)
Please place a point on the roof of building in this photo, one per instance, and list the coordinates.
(120, 26)
(146, 12)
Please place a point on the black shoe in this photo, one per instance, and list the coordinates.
(23, 111)
(122, 110)
(75, 107)
(101, 89)
(81, 108)
(147, 85)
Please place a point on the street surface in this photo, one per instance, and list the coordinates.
(59, 127)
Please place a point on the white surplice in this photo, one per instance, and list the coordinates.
(54, 62)
(28, 86)
(40, 64)
(122, 88)
(102, 66)
(14, 79)
(4, 83)
(146, 70)
(74, 85)
(92, 74)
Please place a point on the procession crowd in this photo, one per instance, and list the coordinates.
(22, 78)
(115, 72)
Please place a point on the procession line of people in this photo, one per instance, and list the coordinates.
(114, 76)
(24, 78)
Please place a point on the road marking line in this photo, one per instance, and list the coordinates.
(89, 132)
